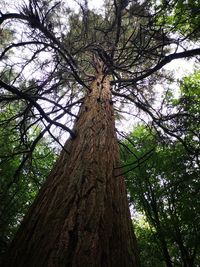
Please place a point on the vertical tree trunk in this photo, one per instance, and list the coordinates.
(81, 215)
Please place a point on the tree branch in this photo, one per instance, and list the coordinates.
(27, 97)
(162, 63)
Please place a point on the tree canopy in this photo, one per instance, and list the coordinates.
(48, 51)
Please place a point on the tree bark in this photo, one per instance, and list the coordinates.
(81, 216)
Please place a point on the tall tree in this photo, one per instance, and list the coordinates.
(92, 61)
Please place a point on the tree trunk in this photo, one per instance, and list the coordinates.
(80, 216)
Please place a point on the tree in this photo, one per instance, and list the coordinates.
(17, 192)
(148, 244)
(164, 185)
(92, 61)
(183, 16)
(166, 191)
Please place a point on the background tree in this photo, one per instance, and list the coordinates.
(62, 61)
(163, 183)
(19, 160)
(149, 246)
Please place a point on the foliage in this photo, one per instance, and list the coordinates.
(165, 187)
(163, 183)
(150, 252)
(187, 106)
(181, 16)
(19, 180)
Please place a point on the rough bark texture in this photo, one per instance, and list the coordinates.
(81, 215)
